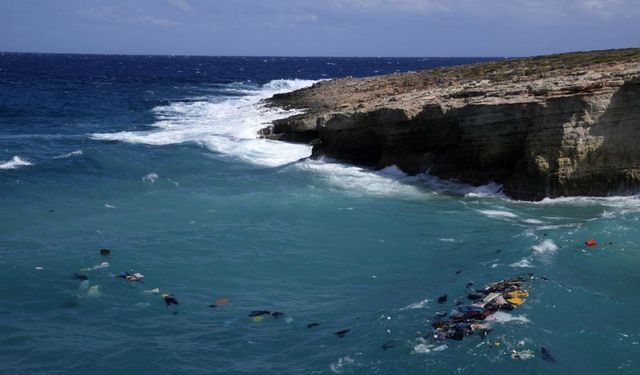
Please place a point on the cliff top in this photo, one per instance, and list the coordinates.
(508, 79)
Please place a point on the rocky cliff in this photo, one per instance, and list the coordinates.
(546, 126)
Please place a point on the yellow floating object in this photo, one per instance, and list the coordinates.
(518, 294)
(515, 300)
(257, 319)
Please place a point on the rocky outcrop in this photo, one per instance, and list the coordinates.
(548, 126)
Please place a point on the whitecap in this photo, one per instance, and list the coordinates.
(228, 126)
(69, 155)
(356, 180)
(447, 239)
(150, 178)
(533, 221)
(338, 366)
(15, 163)
(522, 263)
(417, 305)
(545, 246)
(498, 214)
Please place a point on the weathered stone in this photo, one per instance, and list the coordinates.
(568, 129)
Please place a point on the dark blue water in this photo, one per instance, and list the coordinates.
(156, 158)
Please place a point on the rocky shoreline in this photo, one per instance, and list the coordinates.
(548, 126)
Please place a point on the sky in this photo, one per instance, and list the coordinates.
(318, 27)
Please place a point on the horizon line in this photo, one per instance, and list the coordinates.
(257, 56)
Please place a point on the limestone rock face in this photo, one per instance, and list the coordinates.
(570, 128)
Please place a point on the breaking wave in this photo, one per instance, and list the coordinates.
(15, 163)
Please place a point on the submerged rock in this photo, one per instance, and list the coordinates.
(548, 126)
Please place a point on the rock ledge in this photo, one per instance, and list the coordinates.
(549, 126)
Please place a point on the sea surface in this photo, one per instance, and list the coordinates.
(156, 158)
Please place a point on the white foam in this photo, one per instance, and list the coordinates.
(522, 263)
(228, 126)
(447, 239)
(69, 155)
(150, 178)
(533, 221)
(15, 163)
(503, 317)
(614, 206)
(356, 181)
(424, 348)
(483, 191)
(417, 305)
(338, 366)
(498, 214)
(545, 246)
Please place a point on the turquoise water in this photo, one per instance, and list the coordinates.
(178, 188)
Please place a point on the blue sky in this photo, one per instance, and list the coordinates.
(319, 27)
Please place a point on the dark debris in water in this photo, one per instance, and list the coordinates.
(342, 333)
(387, 345)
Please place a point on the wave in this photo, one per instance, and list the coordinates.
(14, 163)
(226, 125)
(498, 214)
(416, 305)
(522, 263)
(69, 155)
(545, 246)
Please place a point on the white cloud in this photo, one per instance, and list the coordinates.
(422, 6)
(606, 8)
(181, 4)
(118, 15)
(156, 21)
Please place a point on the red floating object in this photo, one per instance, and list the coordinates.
(590, 242)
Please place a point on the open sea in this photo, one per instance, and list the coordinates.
(156, 158)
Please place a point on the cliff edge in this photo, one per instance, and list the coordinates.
(548, 126)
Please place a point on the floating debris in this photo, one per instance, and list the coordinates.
(94, 291)
(275, 314)
(131, 276)
(342, 333)
(96, 267)
(387, 345)
(169, 299)
(105, 252)
(546, 355)
(468, 319)
(523, 354)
